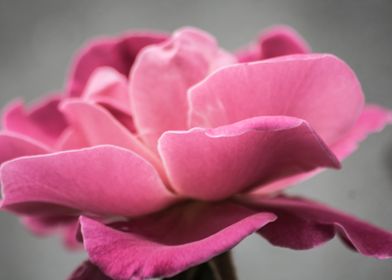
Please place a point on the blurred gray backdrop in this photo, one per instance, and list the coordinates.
(37, 39)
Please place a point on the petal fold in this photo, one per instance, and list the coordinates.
(214, 164)
(167, 243)
(104, 180)
(117, 53)
(162, 75)
(318, 88)
(304, 224)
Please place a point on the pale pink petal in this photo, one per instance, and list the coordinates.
(304, 224)
(107, 86)
(162, 75)
(318, 88)
(14, 145)
(105, 180)
(273, 42)
(169, 242)
(373, 119)
(99, 127)
(42, 122)
(88, 271)
(213, 164)
(118, 53)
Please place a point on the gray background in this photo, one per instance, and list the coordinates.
(37, 39)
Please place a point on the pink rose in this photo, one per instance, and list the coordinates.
(172, 150)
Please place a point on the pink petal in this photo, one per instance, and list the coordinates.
(13, 145)
(104, 180)
(107, 86)
(98, 127)
(118, 53)
(213, 164)
(88, 271)
(43, 122)
(304, 224)
(161, 76)
(373, 119)
(67, 225)
(276, 41)
(320, 89)
(169, 242)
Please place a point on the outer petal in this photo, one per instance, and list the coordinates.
(161, 76)
(373, 119)
(304, 224)
(213, 164)
(98, 127)
(117, 53)
(276, 41)
(68, 226)
(153, 247)
(104, 180)
(88, 271)
(320, 89)
(13, 145)
(44, 122)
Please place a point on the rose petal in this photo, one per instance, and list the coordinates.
(161, 76)
(107, 86)
(43, 122)
(112, 52)
(169, 242)
(98, 127)
(304, 224)
(88, 271)
(373, 119)
(13, 145)
(104, 180)
(213, 164)
(276, 41)
(67, 225)
(320, 89)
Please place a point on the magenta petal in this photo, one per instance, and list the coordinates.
(169, 242)
(117, 53)
(372, 119)
(104, 180)
(88, 271)
(68, 226)
(318, 88)
(162, 75)
(213, 164)
(13, 145)
(276, 41)
(43, 122)
(304, 224)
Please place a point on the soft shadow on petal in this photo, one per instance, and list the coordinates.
(304, 224)
(213, 164)
(104, 180)
(88, 271)
(318, 88)
(373, 119)
(171, 241)
(43, 122)
(162, 75)
(117, 53)
(273, 42)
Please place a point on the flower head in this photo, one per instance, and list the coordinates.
(171, 150)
